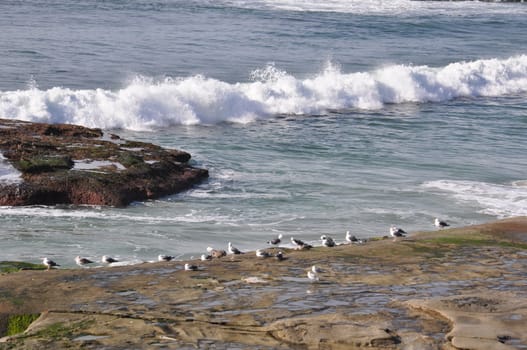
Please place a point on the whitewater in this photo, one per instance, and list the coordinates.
(146, 104)
(312, 117)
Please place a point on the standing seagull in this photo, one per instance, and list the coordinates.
(216, 253)
(397, 232)
(327, 241)
(108, 259)
(205, 257)
(280, 256)
(353, 239)
(49, 263)
(262, 253)
(312, 274)
(233, 250)
(300, 244)
(82, 261)
(189, 267)
(440, 223)
(275, 241)
(163, 257)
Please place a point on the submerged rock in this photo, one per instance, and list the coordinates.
(70, 164)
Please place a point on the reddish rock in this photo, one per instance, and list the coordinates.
(70, 164)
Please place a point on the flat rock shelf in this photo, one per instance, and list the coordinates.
(459, 288)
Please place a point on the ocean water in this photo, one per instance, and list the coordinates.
(312, 117)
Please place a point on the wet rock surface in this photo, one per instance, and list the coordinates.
(70, 164)
(450, 289)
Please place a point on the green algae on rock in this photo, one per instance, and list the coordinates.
(70, 164)
(19, 323)
(13, 266)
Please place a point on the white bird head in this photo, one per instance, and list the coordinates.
(210, 249)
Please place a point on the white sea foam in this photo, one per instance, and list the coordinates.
(147, 104)
(105, 215)
(500, 200)
(383, 7)
(237, 195)
(8, 174)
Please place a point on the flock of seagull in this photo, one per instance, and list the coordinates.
(312, 274)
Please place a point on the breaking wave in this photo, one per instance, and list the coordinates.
(146, 104)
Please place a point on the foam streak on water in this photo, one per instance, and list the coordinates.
(146, 104)
(378, 7)
(500, 200)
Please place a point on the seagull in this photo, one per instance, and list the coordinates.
(49, 263)
(275, 241)
(327, 241)
(280, 256)
(189, 267)
(440, 223)
(82, 261)
(163, 257)
(315, 269)
(262, 253)
(313, 274)
(108, 259)
(216, 253)
(300, 244)
(233, 250)
(397, 232)
(352, 239)
(205, 257)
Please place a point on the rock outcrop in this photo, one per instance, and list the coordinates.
(70, 164)
(459, 288)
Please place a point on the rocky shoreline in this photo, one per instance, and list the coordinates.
(460, 288)
(71, 164)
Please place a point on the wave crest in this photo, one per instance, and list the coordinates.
(146, 104)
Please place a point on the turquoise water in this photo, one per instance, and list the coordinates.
(312, 118)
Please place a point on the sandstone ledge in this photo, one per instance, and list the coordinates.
(70, 164)
(460, 288)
